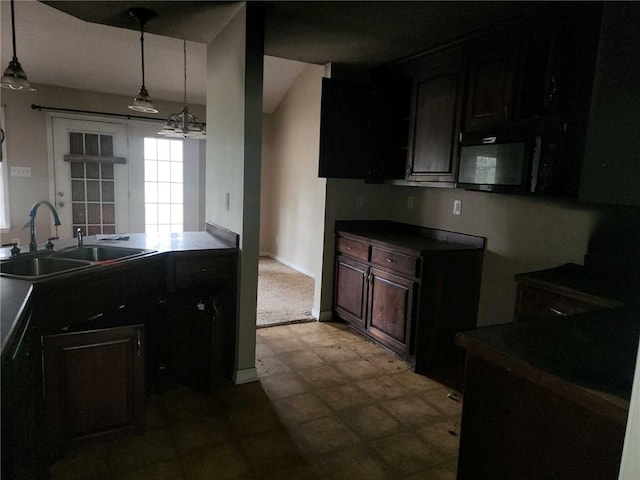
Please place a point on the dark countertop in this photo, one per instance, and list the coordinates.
(589, 357)
(15, 296)
(582, 282)
(409, 237)
(15, 293)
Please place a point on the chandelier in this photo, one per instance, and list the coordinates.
(184, 124)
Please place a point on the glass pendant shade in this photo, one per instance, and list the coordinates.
(142, 102)
(14, 77)
(184, 124)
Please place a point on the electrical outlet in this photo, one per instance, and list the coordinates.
(20, 171)
(410, 202)
(457, 207)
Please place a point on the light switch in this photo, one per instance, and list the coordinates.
(457, 207)
(20, 171)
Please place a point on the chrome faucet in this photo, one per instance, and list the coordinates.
(79, 235)
(33, 245)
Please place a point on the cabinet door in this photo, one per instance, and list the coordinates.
(390, 309)
(436, 123)
(350, 294)
(492, 75)
(188, 331)
(344, 129)
(94, 383)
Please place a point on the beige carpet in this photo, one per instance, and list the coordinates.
(284, 294)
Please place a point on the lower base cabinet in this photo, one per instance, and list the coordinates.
(94, 383)
(411, 289)
(514, 429)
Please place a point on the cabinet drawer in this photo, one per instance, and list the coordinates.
(191, 270)
(536, 304)
(353, 248)
(395, 261)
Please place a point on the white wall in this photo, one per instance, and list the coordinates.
(234, 129)
(294, 197)
(26, 136)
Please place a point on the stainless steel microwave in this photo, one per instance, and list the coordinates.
(507, 164)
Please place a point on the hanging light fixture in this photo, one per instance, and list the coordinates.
(142, 102)
(14, 77)
(184, 124)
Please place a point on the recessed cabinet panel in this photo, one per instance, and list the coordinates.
(351, 293)
(94, 382)
(390, 309)
(435, 123)
(490, 93)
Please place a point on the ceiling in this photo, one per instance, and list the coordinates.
(94, 45)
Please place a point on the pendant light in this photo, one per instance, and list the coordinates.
(142, 102)
(184, 124)
(14, 77)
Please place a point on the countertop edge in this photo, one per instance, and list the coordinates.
(605, 404)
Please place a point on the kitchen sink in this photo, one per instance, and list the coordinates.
(31, 267)
(98, 253)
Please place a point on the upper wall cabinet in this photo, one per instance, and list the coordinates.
(344, 129)
(436, 119)
(492, 86)
(363, 129)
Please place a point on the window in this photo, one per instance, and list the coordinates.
(163, 188)
(5, 218)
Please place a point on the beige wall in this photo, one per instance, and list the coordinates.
(26, 135)
(234, 126)
(523, 233)
(294, 197)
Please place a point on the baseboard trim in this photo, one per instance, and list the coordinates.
(288, 264)
(247, 375)
(325, 316)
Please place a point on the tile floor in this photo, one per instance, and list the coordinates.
(329, 405)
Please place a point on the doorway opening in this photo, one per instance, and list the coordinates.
(284, 294)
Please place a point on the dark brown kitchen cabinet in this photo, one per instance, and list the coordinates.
(344, 129)
(408, 288)
(198, 336)
(436, 112)
(94, 383)
(371, 298)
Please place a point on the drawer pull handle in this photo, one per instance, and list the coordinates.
(349, 248)
(203, 270)
(139, 344)
(557, 312)
(389, 260)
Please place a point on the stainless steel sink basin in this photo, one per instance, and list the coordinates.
(98, 253)
(31, 267)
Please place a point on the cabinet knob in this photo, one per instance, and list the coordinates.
(389, 260)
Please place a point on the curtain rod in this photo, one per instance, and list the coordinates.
(74, 110)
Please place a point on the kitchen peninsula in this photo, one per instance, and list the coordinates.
(81, 346)
(548, 399)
